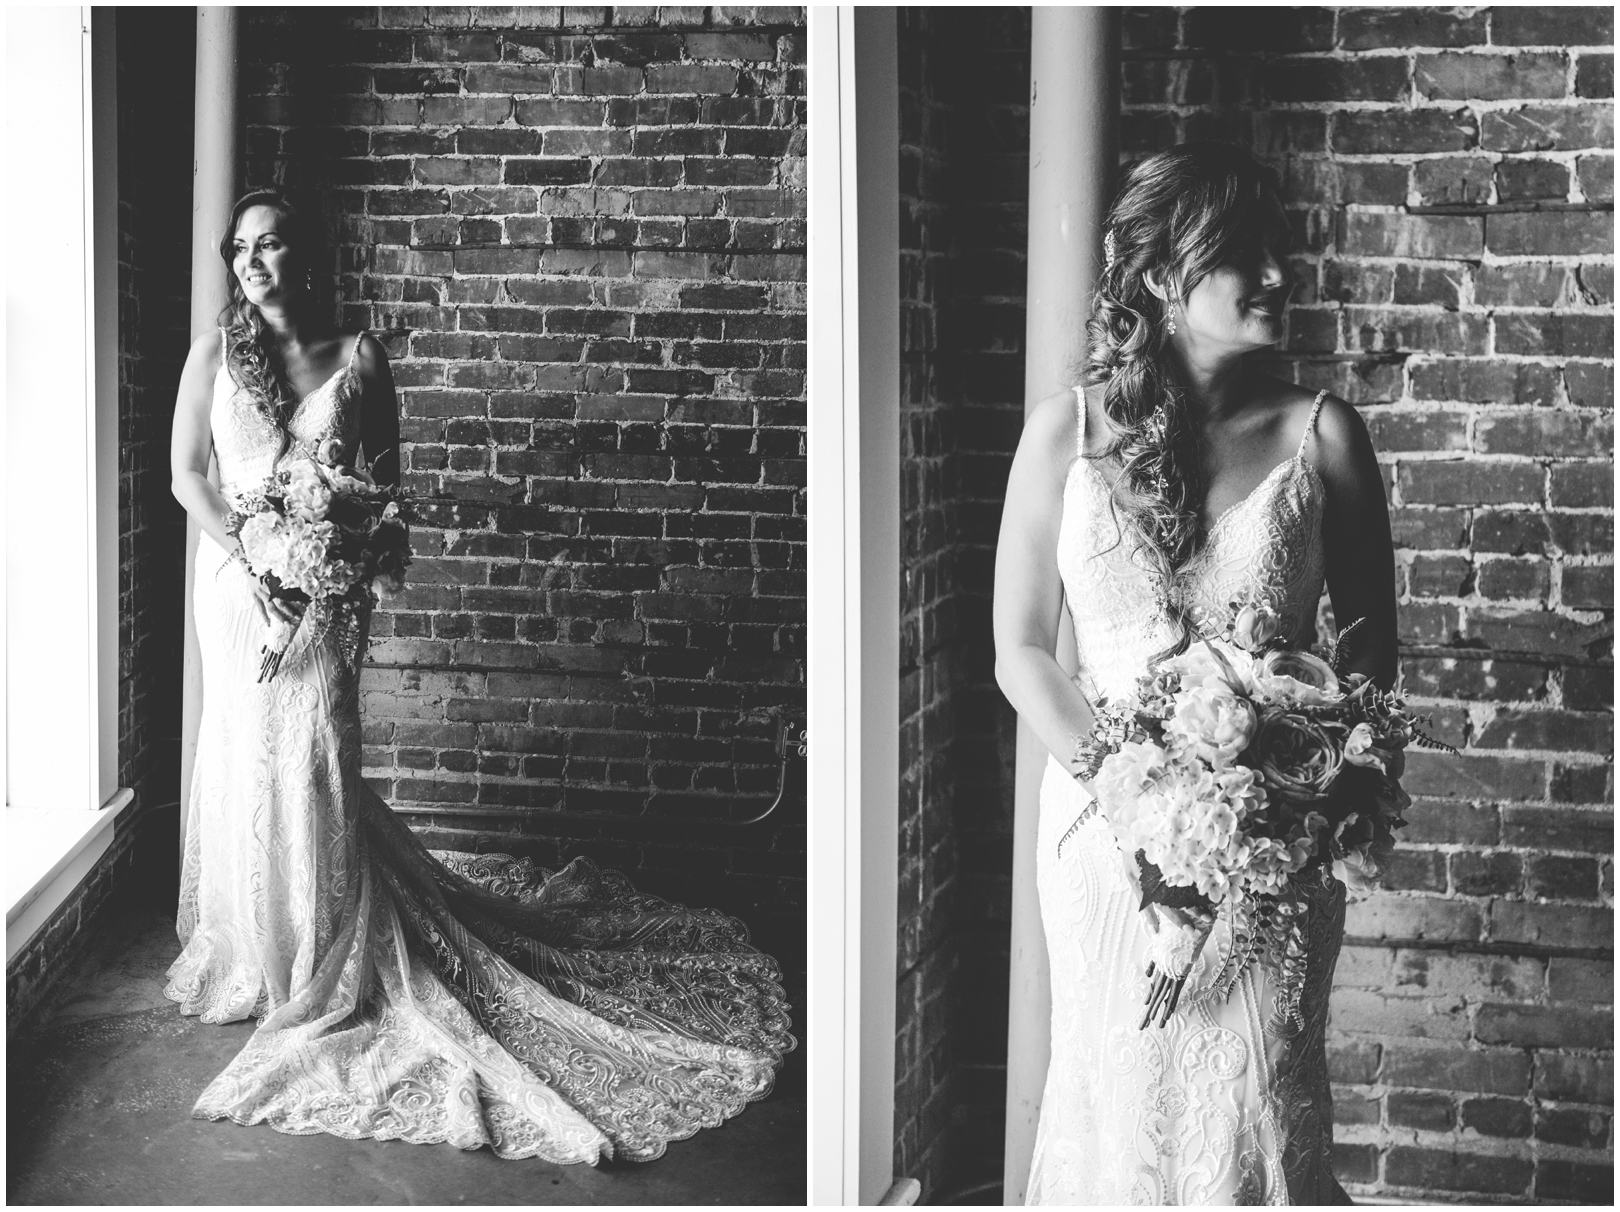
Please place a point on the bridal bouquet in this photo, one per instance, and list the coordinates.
(327, 537)
(1234, 774)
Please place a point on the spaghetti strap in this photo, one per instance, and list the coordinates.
(1080, 421)
(1310, 424)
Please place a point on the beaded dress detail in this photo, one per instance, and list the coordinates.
(416, 995)
(1225, 1104)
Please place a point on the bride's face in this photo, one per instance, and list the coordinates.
(1239, 306)
(266, 266)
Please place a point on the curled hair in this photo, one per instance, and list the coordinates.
(1180, 214)
(250, 346)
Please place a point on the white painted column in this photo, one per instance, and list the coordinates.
(1073, 152)
(214, 185)
(854, 588)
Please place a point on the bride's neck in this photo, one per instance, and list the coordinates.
(292, 328)
(1214, 385)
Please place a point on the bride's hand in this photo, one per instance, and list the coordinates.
(1176, 919)
(273, 612)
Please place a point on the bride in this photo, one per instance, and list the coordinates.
(1179, 482)
(469, 999)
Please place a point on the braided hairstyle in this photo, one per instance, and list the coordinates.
(250, 346)
(1180, 214)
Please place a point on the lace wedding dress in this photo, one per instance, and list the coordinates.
(1226, 1104)
(469, 999)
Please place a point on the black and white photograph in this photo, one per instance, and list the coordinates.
(1252, 384)
(441, 834)
(809, 606)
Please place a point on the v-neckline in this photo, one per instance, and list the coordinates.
(327, 382)
(1287, 463)
(1209, 535)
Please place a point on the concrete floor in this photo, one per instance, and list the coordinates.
(99, 1095)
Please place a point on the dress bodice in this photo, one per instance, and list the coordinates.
(1267, 547)
(247, 444)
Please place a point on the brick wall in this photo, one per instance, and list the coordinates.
(964, 78)
(154, 299)
(155, 55)
(1450, 178)
(1449, 172)
(579, 233)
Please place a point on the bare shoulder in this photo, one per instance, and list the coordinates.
(369, 349)
(207, 350)
(1340, 435)
(1051, 434)
(370, 360)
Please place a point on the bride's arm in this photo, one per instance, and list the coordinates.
(191, 442)
(1356, 541)
(1029, 591)
(379, 411)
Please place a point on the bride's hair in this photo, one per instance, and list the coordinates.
(1180, 214)
(250, 346)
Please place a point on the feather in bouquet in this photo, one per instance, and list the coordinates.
(327, 537)
(1237, 772)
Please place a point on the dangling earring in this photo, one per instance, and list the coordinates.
(1170, 319)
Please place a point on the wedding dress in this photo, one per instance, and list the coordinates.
(469, 999)
(1225, 1104)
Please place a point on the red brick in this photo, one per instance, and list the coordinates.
(1469, 482)
(1530, 180)
(1473, 776)
(1501, 1117)
(1534, 285)
(1377, 28)
(1556, 875)
(1444, 1067)
(1458, 77)
(1451, 179)
(1577, 1181)
(1486, 874)
(1591, 385)
(1552, 25)
(1580, 980)
(1562, 731)
(1353, 1061)
(1381, 79)
(1575, 1079)
(1596, 177)
(1427, 1112)
(1407, 1166)
(1355, 1163)
(1435, 237)
(1547, 128)
(1407, 918)
(1557, 828)
(1363, 132)
(1548, 925)
(1588, 587)
(1554, 233)
(1594, 76)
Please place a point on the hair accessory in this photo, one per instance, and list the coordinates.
(1109, 250)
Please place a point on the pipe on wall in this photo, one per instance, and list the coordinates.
(215, 174)
(1073, 154)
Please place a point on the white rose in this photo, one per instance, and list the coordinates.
(1297, 678)
(1253, 626)
(1210, 723)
